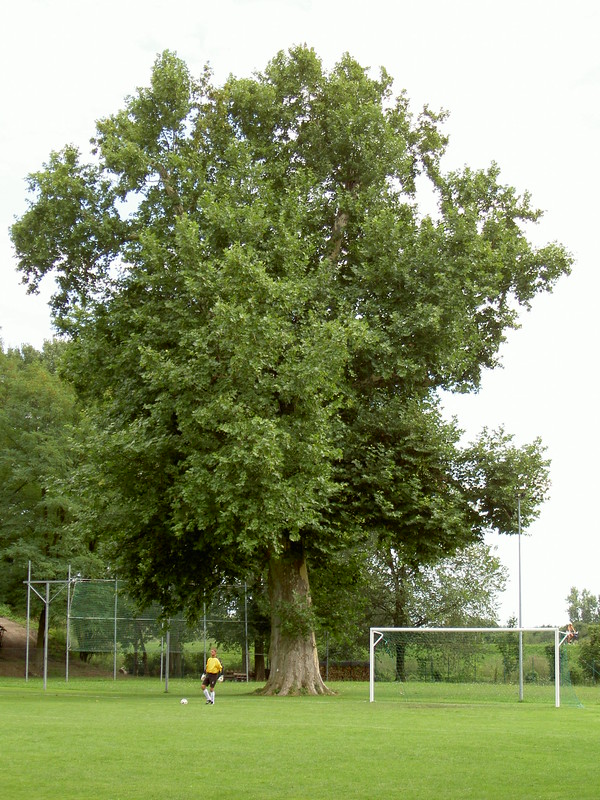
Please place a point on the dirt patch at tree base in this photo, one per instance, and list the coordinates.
(13, 647)
(15, 635)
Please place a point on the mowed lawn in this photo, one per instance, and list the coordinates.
(129, 740)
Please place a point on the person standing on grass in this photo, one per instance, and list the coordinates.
(210, 677)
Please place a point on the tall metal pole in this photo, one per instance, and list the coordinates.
(247, 652)
(556, 668)
(27, 629)
(168, 657)
(371, 665)
(116, 609)
(46, 631)
(204, 634)
(520, 608)
(68, 645)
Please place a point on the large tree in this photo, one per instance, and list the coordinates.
(259, 312)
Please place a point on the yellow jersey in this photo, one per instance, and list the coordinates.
(213, 665)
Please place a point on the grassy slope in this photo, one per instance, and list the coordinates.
(130, 740)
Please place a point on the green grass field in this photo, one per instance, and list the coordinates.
(129, 740)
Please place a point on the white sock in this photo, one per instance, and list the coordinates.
(212, 696)
(207, 694)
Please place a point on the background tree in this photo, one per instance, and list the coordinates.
(589, 654)
(38, 427)
(508, 646)
(422, 479)
(458, 591)
(370, 587)
(583, 606)
(260, 312)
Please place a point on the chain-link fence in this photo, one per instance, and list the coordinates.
(97, 628)
(103, 625)
(103, 618)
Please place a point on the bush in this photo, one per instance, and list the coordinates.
(589, 654)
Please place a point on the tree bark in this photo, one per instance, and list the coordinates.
(39, 643)
(400, 573)
(294, 662)
(259, 658)
(41, 635)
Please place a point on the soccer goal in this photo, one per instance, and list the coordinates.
(467, 664)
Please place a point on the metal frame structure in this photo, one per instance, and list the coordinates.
(58, 586)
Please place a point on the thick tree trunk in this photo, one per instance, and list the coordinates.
(41, 631)
(259, 658)
(399, 573)
(294, 662)
(400, 661)
(41, 635)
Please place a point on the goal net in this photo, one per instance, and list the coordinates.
(446, 665)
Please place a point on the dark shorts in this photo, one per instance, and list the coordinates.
(211, 679)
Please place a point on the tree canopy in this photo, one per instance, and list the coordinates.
(38, 420)
(583, 606)
(261, 317)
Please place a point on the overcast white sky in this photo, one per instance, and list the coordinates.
(521, 79)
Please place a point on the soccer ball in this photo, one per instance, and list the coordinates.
(183, 701)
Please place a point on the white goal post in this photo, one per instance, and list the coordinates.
(377, 636)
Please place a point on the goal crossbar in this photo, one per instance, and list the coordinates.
(377, 634)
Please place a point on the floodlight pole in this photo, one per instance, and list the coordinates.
(520, 607)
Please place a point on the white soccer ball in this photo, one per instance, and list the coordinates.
(183, 701)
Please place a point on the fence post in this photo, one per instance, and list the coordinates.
(168, 656)
(204, 635)
(246, 655)
(46, 632)
(68, 625)
(115, 630)
(27, 628)
(556, 668)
